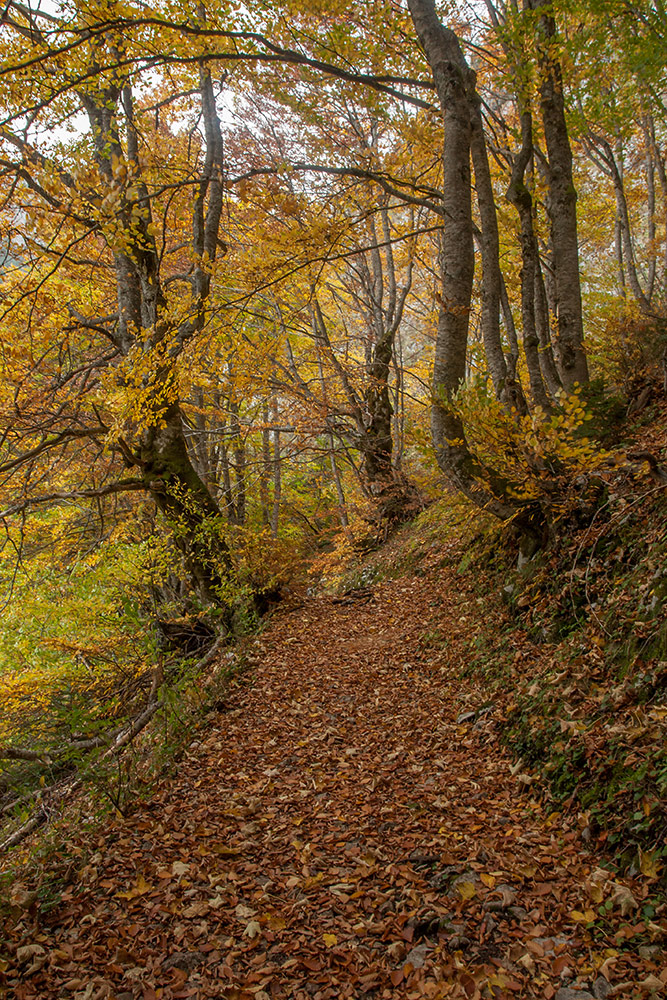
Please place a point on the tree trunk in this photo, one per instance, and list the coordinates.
(510, 330)
(453, 84)
(158, 444)
(562, 206)
(519, 195)
(187, 504)
(547, 361)
(623, 220)
(651, 228)
(265, 465)
(277, 473)
(661, 169)
(490, 246)
(239, 464)
(376, 443)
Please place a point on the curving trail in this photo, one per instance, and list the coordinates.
(337, 833)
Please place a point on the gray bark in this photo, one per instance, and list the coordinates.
(490, 246)
(277, 468)
(562, 207)
(519, 195)
(543, 327)
(454, 87)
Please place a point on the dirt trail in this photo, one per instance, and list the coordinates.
(337, 833)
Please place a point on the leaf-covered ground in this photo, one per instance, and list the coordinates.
(347, 826)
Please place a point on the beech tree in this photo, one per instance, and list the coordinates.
(109, 207)
(130, 201)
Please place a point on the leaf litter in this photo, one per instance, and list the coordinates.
(345, 831)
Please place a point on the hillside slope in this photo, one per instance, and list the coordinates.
(348, 824)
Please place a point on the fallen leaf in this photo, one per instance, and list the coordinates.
(649, 864)
(139, 889)
(651, 984)
(624, 900)
(28, 951)
(466, 890)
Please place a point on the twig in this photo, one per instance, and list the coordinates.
(121, 740)
(22, 753)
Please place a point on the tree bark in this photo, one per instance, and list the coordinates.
(627, 256)
(490, 246)
(266, 466)
(562, 206)
(519, 195)
(159, 446)
(543, 326)
(239, 464)
(454, 86)
(510, 329)
(277, 468)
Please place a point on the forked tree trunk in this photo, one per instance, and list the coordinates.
(562, 205)
(543, 326)
(156, 442)
(506, 386)
(454, 86)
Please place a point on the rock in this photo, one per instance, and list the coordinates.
(442, 880)
(601, 988)
(649, 952)
(465, 717)
(422, 859)
(417, 957)
(458, 942)
(523, 561)
(184, 960)
(565, 993)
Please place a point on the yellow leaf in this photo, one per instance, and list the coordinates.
(140, 889)
(499, 980)
(330, 940)
(466, 890)
(649, 864)
(488, 880)
(596, 893)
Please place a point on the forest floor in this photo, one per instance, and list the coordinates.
(347, 824)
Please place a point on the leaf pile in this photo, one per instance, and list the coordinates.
(349, 826)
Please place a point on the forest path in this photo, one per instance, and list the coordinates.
(336, 833)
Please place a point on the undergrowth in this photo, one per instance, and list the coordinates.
(35, 875)
(581, 669)
(578, 671)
